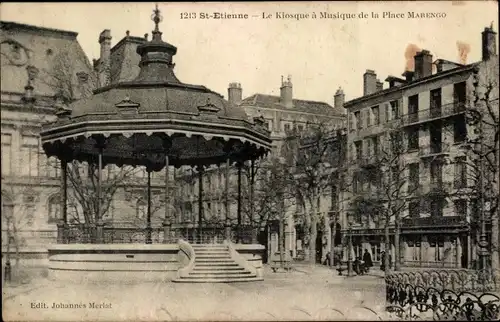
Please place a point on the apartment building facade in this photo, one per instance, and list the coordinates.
(285, 114)
(34, 61)
(425, 115)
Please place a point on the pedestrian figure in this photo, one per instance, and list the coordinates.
(382, 261)
(367, 258)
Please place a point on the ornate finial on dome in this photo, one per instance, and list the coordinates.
(157, 18)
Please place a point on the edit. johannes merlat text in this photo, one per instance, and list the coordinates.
(90, 305)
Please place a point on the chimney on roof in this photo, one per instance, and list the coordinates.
(408, 75)
(369, 82)
(489, 42)
(235, 93)
(394, 81)
(286, 92)
(338, 99)
(379, 85)
(104, 60)
(423, 64)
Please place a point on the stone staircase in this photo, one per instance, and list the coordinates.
(213, 264)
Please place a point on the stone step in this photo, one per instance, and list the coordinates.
(216, 256)
(211, 251)
(218, 268)
(217, 265)
(251, 278)
(213, 260)
(213, 246)
(217, 273)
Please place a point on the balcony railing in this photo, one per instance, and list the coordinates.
(432, 114)
(440, 188)
(369, 160)
(434, 221)
(433, 150)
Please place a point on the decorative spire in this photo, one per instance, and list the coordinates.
(156, 55)
(157, 18)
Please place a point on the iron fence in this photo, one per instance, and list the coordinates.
(210, 234)
(443, 295)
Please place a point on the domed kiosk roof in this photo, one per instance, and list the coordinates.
(139, 122)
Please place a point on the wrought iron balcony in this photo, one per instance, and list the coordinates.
(433, 114)
(435, 221)
(415, 190)
(369, 160)
(434, 150)
(440, 188)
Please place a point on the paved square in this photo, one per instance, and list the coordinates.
(304, 294)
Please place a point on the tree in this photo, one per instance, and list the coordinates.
(309, 154)
(273, 195)
(483, 118)
(69, 84)
(383, 188)
(18, 214)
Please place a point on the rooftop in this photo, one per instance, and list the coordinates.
(304, 106)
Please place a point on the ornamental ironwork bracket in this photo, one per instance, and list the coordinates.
(260, 121)
(209, 108)
(127, 106)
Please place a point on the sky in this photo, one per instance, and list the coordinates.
(320, 54)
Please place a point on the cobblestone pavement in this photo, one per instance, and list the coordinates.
(303, 294)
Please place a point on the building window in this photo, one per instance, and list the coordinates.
(368, 118)
(437, 244)
(396, 143)
(270, 125)
(359, 149)
(395, 109)
(54, 209)
(375, 144)
(141, 209)
(352, 125)
(460, 172)
(459, 95)
(413, 243)
(414, 181)
(436, 174)
(356, 182)
(459, 130)
(368, 147)
(7, 209)
(376, 115)
(460, 208)
(359, 120)
(286, 127)
(376, 251)
(436, 207)
(6, 154)
(414, 209)
(435, 102)
(413, 139)
(29, 156)
(53, 167)
(413, 106)
(300, 127)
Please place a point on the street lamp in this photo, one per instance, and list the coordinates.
(349, 254)
(484, 254)
(7, 274)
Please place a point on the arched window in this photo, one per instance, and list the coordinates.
(54, 209)
(141, 209)
(7, 207)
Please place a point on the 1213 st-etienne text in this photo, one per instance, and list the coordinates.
(213, 15)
